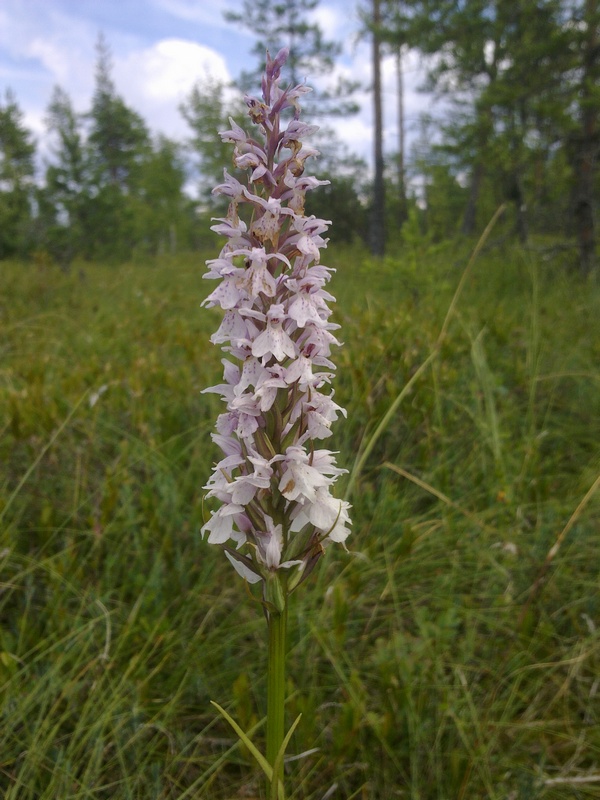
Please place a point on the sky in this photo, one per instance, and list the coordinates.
(160, 48)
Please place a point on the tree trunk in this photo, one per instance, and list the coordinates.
(403, 209)
(470, 216)
(586, 149)
(584, 209)
(483, 132)
(518, 198)
(377, 231)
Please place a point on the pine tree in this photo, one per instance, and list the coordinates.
(504, 67)
(278, 24)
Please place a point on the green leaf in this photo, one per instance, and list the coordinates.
(262, 761)
(277, 790)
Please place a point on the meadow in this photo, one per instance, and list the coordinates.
(452, 654)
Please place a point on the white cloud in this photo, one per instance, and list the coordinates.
(156, 79)
(51, 55)
(329, 20)
(339, 20)
(43, 47)
(35, 121)
(356, 133)
(199, 11)
(170, 67)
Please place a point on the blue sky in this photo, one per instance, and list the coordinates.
(160, 49)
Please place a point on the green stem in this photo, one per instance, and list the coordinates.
(276, 689)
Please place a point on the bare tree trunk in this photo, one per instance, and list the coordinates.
(586, 149)
(514, 184)
(584, 209)
(521, 228)
(470, 216)
(485, 127)
(377, 228)
(403, 210)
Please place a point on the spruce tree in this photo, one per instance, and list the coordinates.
(119, 143)
(65, 199)
(118, 136)
(17, 151)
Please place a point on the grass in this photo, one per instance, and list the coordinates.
(453, 655)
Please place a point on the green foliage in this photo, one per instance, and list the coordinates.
(518, 79)
(16, 178)
(207, 111)
(64, 201)
(119, 144)
(166, 214)
(118, 137)
(340, 200)
(109, 176)
(425, 664)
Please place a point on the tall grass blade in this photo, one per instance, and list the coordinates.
(365, 452)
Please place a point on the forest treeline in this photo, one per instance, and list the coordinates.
(519, 90)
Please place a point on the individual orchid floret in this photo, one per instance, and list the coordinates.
(236, 134)
(277, 512)
(231, 187)
(274, 341)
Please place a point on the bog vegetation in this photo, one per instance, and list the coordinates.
(453, 653)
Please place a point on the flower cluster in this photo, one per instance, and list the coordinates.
(273, 484)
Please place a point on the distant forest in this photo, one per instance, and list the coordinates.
(520, 85)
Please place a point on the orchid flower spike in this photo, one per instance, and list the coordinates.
(277, 512)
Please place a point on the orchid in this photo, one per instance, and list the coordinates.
(277, 332)
(277, 513)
